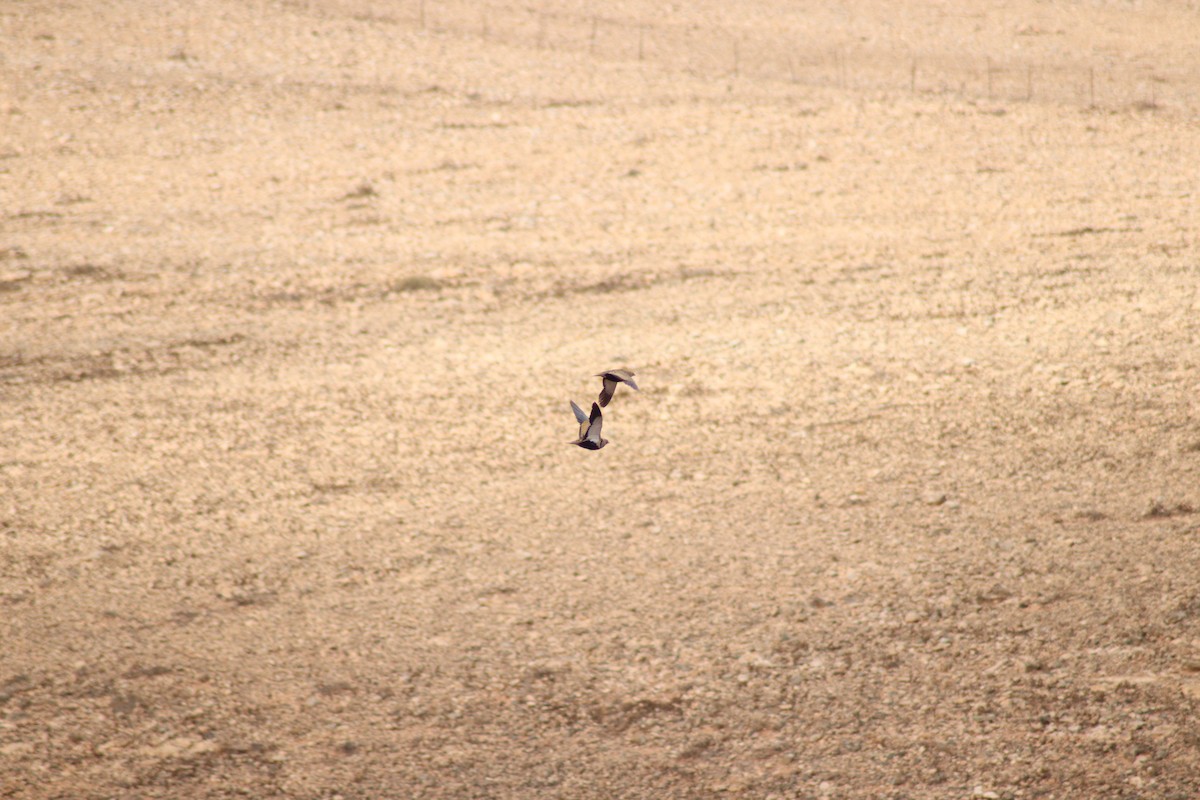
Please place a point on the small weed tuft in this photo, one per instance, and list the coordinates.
(86, 271)
(1160, 510)
(415, 283)
(361, 192)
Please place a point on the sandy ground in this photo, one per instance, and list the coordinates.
(293, 297)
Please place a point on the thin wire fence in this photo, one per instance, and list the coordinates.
(718, 52)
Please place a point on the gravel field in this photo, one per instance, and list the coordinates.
(294, 297)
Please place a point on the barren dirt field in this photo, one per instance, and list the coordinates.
(293, 299)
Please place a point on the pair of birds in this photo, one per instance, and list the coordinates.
(589, 424)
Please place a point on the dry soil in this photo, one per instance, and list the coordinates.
(293, 298)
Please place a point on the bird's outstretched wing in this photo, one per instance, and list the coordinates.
(595, 421)
(607, 392)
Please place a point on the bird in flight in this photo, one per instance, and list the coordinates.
(611, 378)
(589, 428)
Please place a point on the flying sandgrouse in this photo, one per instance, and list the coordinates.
(589, 428)
(611, 378)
